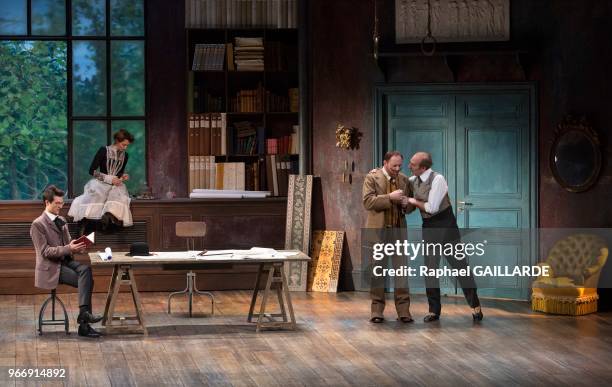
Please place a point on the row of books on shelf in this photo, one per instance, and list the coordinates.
(209, 134)
(241, 13)
(259, 100)
(206, 102)
(245, 54)
(248, 101)
(267, 173)
(208, 57)
(285, 144)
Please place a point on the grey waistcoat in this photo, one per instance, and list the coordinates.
(421, 192)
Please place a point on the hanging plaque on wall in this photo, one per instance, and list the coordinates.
(452, 20)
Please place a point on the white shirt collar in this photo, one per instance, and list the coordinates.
(50, 215)
(425, 175)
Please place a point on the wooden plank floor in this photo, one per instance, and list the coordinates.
(334, 345)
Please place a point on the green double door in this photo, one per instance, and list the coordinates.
(481, 139)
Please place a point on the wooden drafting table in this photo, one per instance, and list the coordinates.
(270, 270)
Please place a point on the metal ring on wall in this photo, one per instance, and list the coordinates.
(433, 43)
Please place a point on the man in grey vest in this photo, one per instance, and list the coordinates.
(430, 196)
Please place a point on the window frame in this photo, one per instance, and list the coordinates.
(108, 118)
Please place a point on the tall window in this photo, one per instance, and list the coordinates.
(73, 72)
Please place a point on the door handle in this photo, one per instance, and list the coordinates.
(466, 203)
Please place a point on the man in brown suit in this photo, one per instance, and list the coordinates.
(54, 261)
(385, 197)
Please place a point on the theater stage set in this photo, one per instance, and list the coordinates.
(547, 76)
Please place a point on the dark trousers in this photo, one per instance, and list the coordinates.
(79, 276)
(442, 228)
(401, 292)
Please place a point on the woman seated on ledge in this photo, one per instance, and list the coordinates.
(105, 197)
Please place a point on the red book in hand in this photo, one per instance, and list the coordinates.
(87, 239)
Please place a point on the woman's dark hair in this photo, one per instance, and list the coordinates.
(122, 135)
(50, 192)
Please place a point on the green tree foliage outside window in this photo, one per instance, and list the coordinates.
(33, 124)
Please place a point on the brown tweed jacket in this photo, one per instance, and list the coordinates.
(376, 200)
(51, 246)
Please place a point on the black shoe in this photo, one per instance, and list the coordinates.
(377, 320)
(477, 317)
(88, 317)
(85, 330)
(430, 317)
(406, 319)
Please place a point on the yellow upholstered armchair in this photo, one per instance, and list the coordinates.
(574, 263)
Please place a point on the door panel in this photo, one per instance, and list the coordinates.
(493, 182)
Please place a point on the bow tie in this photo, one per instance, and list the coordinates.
(59, 222)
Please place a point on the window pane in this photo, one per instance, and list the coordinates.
(87, 138)
(137, 164)
(127, 17)
(88, 17)
(48, 17)
(33, 129)
(89, 78)
(13, 18)
(127, 78)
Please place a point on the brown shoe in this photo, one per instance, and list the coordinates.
(405, 319)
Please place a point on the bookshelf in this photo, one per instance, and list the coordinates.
(243, 121)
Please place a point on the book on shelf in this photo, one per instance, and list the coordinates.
(229, 50)
(294, 99)
(295, 140)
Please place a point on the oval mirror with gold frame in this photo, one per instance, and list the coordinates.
(575, 157)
